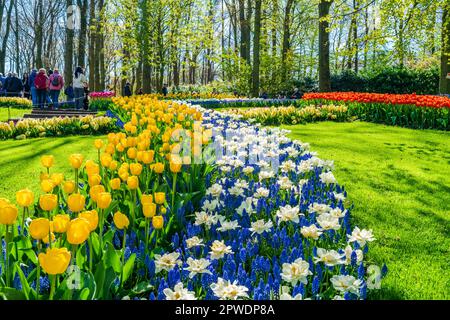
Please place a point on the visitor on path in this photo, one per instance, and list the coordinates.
(32, 86)
(297, 94)
(14, 86)
(2, 85)
(26, 86)
(165, 90)
(86, 99)
(41, 83)
(79, 84)
(127, 90)
(140, 92)
(69, 95)
(56, 85)
(47, 97)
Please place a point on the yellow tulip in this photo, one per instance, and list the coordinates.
(98, 144)
(55, 260)
(113, 166)
(76, 202)
(158, 167)
(136, 169)
(132, 153)
(57, 178)
(47, 185)
(149, 209)
(69, 187)
(44, 176)
(105, 160)
(94, 180)
(48, 202)
(25, 198)
(115, 183)
(95, 191)
(8, 214)
(91, 217)
(175, 167)
(121, 221)
(47, 161)
(133, 182)
(160, 198)
(39, 228)
(148, 156)
(78, 231)
(163, 210)
(158, 222)
(60, 223)
(76, 160)
(93, 169)
(46, 240)
(146, 199)
(104, 200)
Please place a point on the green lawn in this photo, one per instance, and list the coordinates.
(20, 160)
(399, 182)
(15, 113)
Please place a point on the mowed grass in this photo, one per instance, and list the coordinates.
(399, 182)
(15, 113)
(20, 160)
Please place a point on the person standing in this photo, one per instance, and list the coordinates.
(165, 90)
(2, 85)
(32, 86)
(26, 86)
(127, 90)
(70, 95)
(56, 84)
(41, 83)
(79, 84)
(14, 86)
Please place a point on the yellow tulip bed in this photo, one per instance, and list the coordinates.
(15, 102)
(56, 127)
(293, 115)
(70, 227)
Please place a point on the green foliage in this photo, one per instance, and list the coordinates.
(102, 104)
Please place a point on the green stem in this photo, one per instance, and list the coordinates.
(76, 180)
(174, 187)
(49, 232)
(123, 256)
(91, 253)
(7, 256)
(38, 272)
(23, 220)
(101, 213)
(147, 234)
(133, 197)
(53, 285)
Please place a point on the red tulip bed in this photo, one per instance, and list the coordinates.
(405, 110)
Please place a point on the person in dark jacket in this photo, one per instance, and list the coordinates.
(298, 94)
(26, 86)
(70, 95)
(127, 90)
(32, 86)
(14, 86)
(165, 90)
(2, 85)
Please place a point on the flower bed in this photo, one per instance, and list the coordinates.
(291, 115)
(15, 102)
(412, 111)
(102, 95)
(56, 127)
(149, 219)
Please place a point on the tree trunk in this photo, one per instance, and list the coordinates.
(256, 49)
(16, 35)
(81, 60)
(324, 46)
(286, 39)
(39, 36)
(92, 50)
(445, 52)
(99, 52)
(68, 53)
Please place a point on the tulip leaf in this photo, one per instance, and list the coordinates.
(11, 294)
(95, 240)
(81, 256)
(128, 268)
(84, 294)
(142, 287)
(112, 259)
(31, 255)
(23, 281)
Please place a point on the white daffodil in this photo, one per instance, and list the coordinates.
(285, 183)
(262, 193)
(264, 175)
(361, 236)
(339, 196)
(348, 255)
(260, 226)
(346, 284)
(167, 261)
(295, 272)
(311, 232)
(288, 214)
(219, 249)
(212, 205)
(288, 166)
(194, 242)
(337, 213)
(248, 170)
(215, 190)
(246, 205)
(329, 257)
(203, 218)
(197, 267)
(228, 225)
(328, 222)
(225, 290)
(285, 295)
(236, 191)
(327, 178)
(179, 293)
(319, 208)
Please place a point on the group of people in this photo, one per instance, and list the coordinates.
(44, 88)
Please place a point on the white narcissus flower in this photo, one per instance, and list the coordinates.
(288, 166)
(260, 226)
(337, 213)
(262, 193)
(311, 232)
(339, 196)
(328, 222)
(212, 205)
(204, 218)
(167, 261)
(327, 177)
(329, 257)
(194, 242)
(246, 205)
(219, 249)
(248, 170)
(241, 184)
(215, 190)
(319, 208)
(361, 236)
(179, 293)
(263, 175)
(285, 183)
(288, 214)
(346, 284)
(295, 272)
(197, 267)
(228, 225)
(225, 290)
(285, 295)
(236, 191)
(348, 255)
